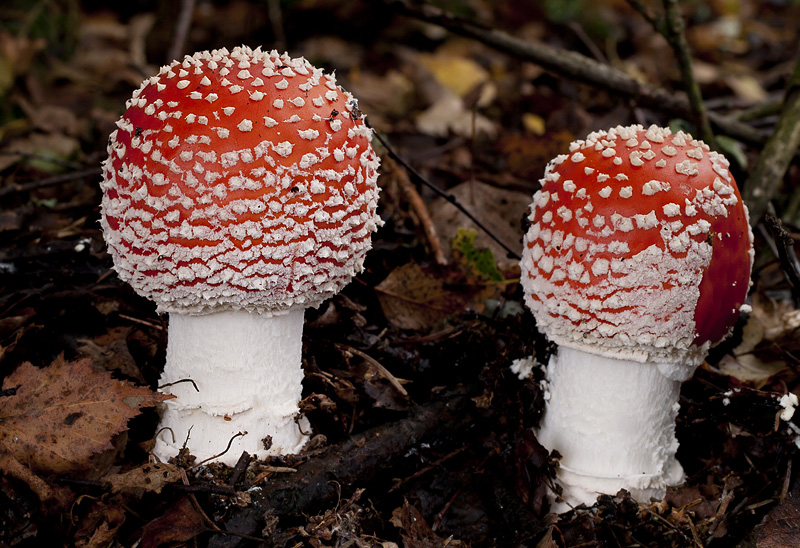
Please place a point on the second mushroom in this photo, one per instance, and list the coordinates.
(637, 261)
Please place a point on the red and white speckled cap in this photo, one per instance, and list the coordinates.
(640, 247)
(239, 180)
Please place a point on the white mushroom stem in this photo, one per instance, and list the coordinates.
(613, 422)
(247, 368)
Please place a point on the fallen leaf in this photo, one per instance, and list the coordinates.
(781, 528)
(150, 478)
(99, 528)
(499, 209)
(413, 299)
(416, 531)
(448, 114)
(181, 522)
(110, 352)
(456, 73)
(61, 415)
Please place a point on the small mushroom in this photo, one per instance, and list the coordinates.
(637, 261)
(240, 189)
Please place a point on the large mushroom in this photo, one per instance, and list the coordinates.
(637, 261)
(240, 188)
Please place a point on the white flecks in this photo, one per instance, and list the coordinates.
(789, 403)
(182, 84)
(588, 170)
(244, 75)
(695, 153)
(282, 84)
(270, 122)
(205, 81)
(626, 192)
(257, 95)
(669, 151)
(636, 158)
(298, 101)
(600, 267)
(565, 213)
(621, 177)
(211, 97)
(228, 110)
(672, 210)
(661, 163)
(577, 157)
(308, 134)
(605, 192)
(687, 167)
(283, 149)
(647, 221)
(608, 152)
(277, 103)
(245, 125)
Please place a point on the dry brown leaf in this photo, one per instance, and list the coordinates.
(499, 209)
(413, 299)
(145, 478)
(181, 522)
(781, 528)
(63, 414)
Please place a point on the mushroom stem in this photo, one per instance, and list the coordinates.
(248, 373)
(613, 422)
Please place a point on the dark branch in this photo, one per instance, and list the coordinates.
(578, 67)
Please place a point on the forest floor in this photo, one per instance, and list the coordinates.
(422, 433)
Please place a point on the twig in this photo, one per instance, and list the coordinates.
(577, 67)
(785, 249)
(673, 29)
(212, 457)
(421, 215)
(276, 21)
(239, 469)
(358, 460)
(178, 47)
(51, 181)
(165, 385)
(385, 373)
(449, 197)
(768, 173)
(139, 321)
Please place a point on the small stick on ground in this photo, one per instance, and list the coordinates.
(178, 47)
(578, 67)
(672, 27)
(768, 173)
(420, 210)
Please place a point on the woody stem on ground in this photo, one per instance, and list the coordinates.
(672, 27)
(578, 67)
(767, 175)
(675, 35)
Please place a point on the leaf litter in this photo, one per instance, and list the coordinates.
(481, 126)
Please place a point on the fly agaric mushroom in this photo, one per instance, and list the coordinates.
(637, 261)
(240, 189)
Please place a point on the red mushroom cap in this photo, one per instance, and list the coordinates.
(639, 248)
(239, 180)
